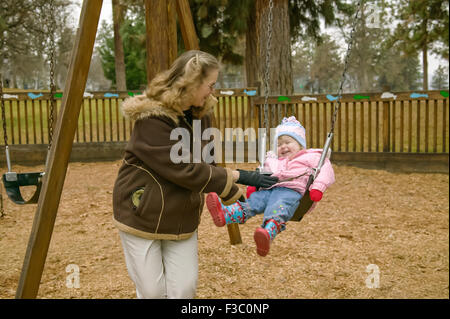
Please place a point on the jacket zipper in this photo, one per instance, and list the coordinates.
(184, 120)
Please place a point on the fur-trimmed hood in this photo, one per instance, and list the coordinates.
(140, 106)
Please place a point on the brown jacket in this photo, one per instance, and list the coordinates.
(153, 197)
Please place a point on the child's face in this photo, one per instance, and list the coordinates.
(288, 146)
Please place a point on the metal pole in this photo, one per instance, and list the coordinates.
(8, 160)
(324, 154)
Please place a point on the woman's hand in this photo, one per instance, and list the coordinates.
(256, 179)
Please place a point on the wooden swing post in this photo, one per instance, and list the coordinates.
(59, 155)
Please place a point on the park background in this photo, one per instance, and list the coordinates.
(391, 216)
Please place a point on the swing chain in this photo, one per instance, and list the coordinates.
(337, 103)
(2, 210)
(51, 23)
(267, 73)
(2, 102)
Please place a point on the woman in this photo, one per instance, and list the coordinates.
(158, 202)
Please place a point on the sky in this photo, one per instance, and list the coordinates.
(106, 14)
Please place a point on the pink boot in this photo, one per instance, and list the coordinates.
(223, 215)
(264, 236)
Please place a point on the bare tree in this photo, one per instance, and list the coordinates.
(118, 17)
(24, 36)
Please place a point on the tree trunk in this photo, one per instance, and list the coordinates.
(425, 66)
(279, 65)
(425, 54)
(280, 68)
(251, 52)
(160, 25)
(362, 54)
(118, 16)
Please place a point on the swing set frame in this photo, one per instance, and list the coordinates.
(161, 45)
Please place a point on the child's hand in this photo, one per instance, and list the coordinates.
(315, 195)
(250, 190)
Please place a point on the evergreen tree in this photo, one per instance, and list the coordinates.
(376, 62)
(440, 78)
(220, 25)
(324, 71)
(302, 57)
(133, 37)
(424, 24)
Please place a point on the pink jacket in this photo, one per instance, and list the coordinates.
(301, 163)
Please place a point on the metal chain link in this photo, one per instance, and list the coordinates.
(337, 103)
(267, 73)
(5, 136)
(2, 210)
(2, 102)
(51, 24)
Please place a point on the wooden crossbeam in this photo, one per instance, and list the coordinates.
(187, 25)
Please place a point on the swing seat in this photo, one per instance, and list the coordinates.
(305, 203)
(13, 181)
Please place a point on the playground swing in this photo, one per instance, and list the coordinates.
(13, 181)
(306, 202)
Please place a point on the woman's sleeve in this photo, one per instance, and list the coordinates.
(151, 143)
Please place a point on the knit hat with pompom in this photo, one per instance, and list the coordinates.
(291, 127)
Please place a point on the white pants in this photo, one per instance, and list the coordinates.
(162, 268)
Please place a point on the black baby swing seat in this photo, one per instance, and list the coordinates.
(12, 182)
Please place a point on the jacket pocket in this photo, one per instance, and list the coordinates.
(145, 197)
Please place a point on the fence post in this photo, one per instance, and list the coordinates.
(386, 126)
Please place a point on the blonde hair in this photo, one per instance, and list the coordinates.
(177, 84)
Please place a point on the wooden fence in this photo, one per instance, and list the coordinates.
(410, 122)
(100, 120)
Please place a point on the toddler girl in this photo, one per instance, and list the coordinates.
(293, 166)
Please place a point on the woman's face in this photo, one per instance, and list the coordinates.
(205, 89)
(288, 147)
